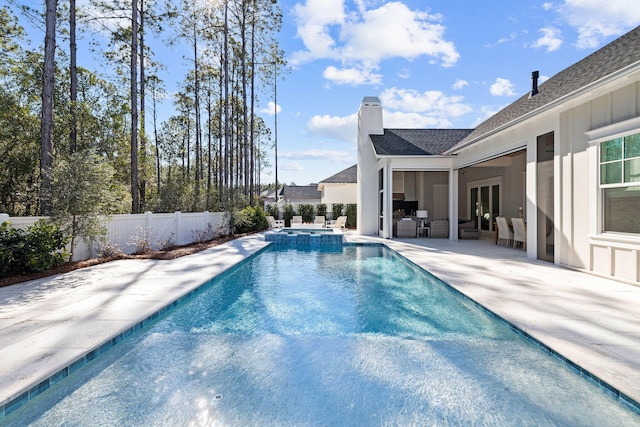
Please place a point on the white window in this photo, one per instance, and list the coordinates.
(620, 184)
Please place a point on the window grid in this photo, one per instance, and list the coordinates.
(619, 152)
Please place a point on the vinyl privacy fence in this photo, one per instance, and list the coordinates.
(158, 229)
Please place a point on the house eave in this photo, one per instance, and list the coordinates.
(416, 156)
(625, 73)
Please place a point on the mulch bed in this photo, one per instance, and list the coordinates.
(172, 253)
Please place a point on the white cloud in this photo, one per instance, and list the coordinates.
(408, 34)
(271, 109)
(460, 84)
(315, 19)
(290, 166)
(432, 103)
(405, 73)
(331, 155)
(400, 119)
(335, 127)
(596, 19)
(353, 39)
(547, 6)
(502, 87)
(551, 39)
(351, 76)
(512, 36)
(485, 112)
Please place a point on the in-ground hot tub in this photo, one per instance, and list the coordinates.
(305, 236)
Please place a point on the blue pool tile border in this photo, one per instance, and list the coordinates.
(622, 397)
(16, 403)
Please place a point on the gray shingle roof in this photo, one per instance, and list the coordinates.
(613, 57)
(347, 176)
(417, 142)
(301, 192)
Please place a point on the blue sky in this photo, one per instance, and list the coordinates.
(433, 64)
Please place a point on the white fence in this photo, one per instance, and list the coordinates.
(158, 229)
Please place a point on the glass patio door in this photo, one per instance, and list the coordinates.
(484, 204)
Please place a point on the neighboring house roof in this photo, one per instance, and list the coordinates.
(269, 194)
(301, 192)
(417, 142)
(347, 176)
(611, 58)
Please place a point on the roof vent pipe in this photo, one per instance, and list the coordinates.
(534, 83)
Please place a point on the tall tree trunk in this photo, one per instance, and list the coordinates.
(73, 72)
(275, 121)
(46, 126)
(196, 90)
(245, 117)
(155, 138)
(252, 165)
(220, 133)
(209, 139)
(135, 199)
(143, 132)
(226, 103)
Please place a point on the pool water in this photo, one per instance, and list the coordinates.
(346, 335)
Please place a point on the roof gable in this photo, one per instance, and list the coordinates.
(347, 176)
(417, 142)
(613, 57)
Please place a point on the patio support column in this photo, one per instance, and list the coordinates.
(532, 201)
(388, 200)
(453, 204)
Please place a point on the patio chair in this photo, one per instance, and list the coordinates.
(439, 228)
(340, 222)
(407, 228)
(296, 220)
(319, 220)
(504, 231)
(274, 223)
(519, 232)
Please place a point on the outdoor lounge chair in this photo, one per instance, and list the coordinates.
(340, 222)
(275, 223)
(319, 220)
(296, 220)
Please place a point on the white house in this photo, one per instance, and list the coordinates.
(340, 188)
(565, 156)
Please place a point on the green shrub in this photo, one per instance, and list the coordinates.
(306, 212)
(337, 210)
(38, 248)
(352, 215)
(321, 209)
(250, 219)
(274, 211)
(287, 214)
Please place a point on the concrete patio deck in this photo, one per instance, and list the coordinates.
(47, 324)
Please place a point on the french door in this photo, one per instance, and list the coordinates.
(484, 202)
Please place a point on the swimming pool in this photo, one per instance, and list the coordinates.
(348, 335)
